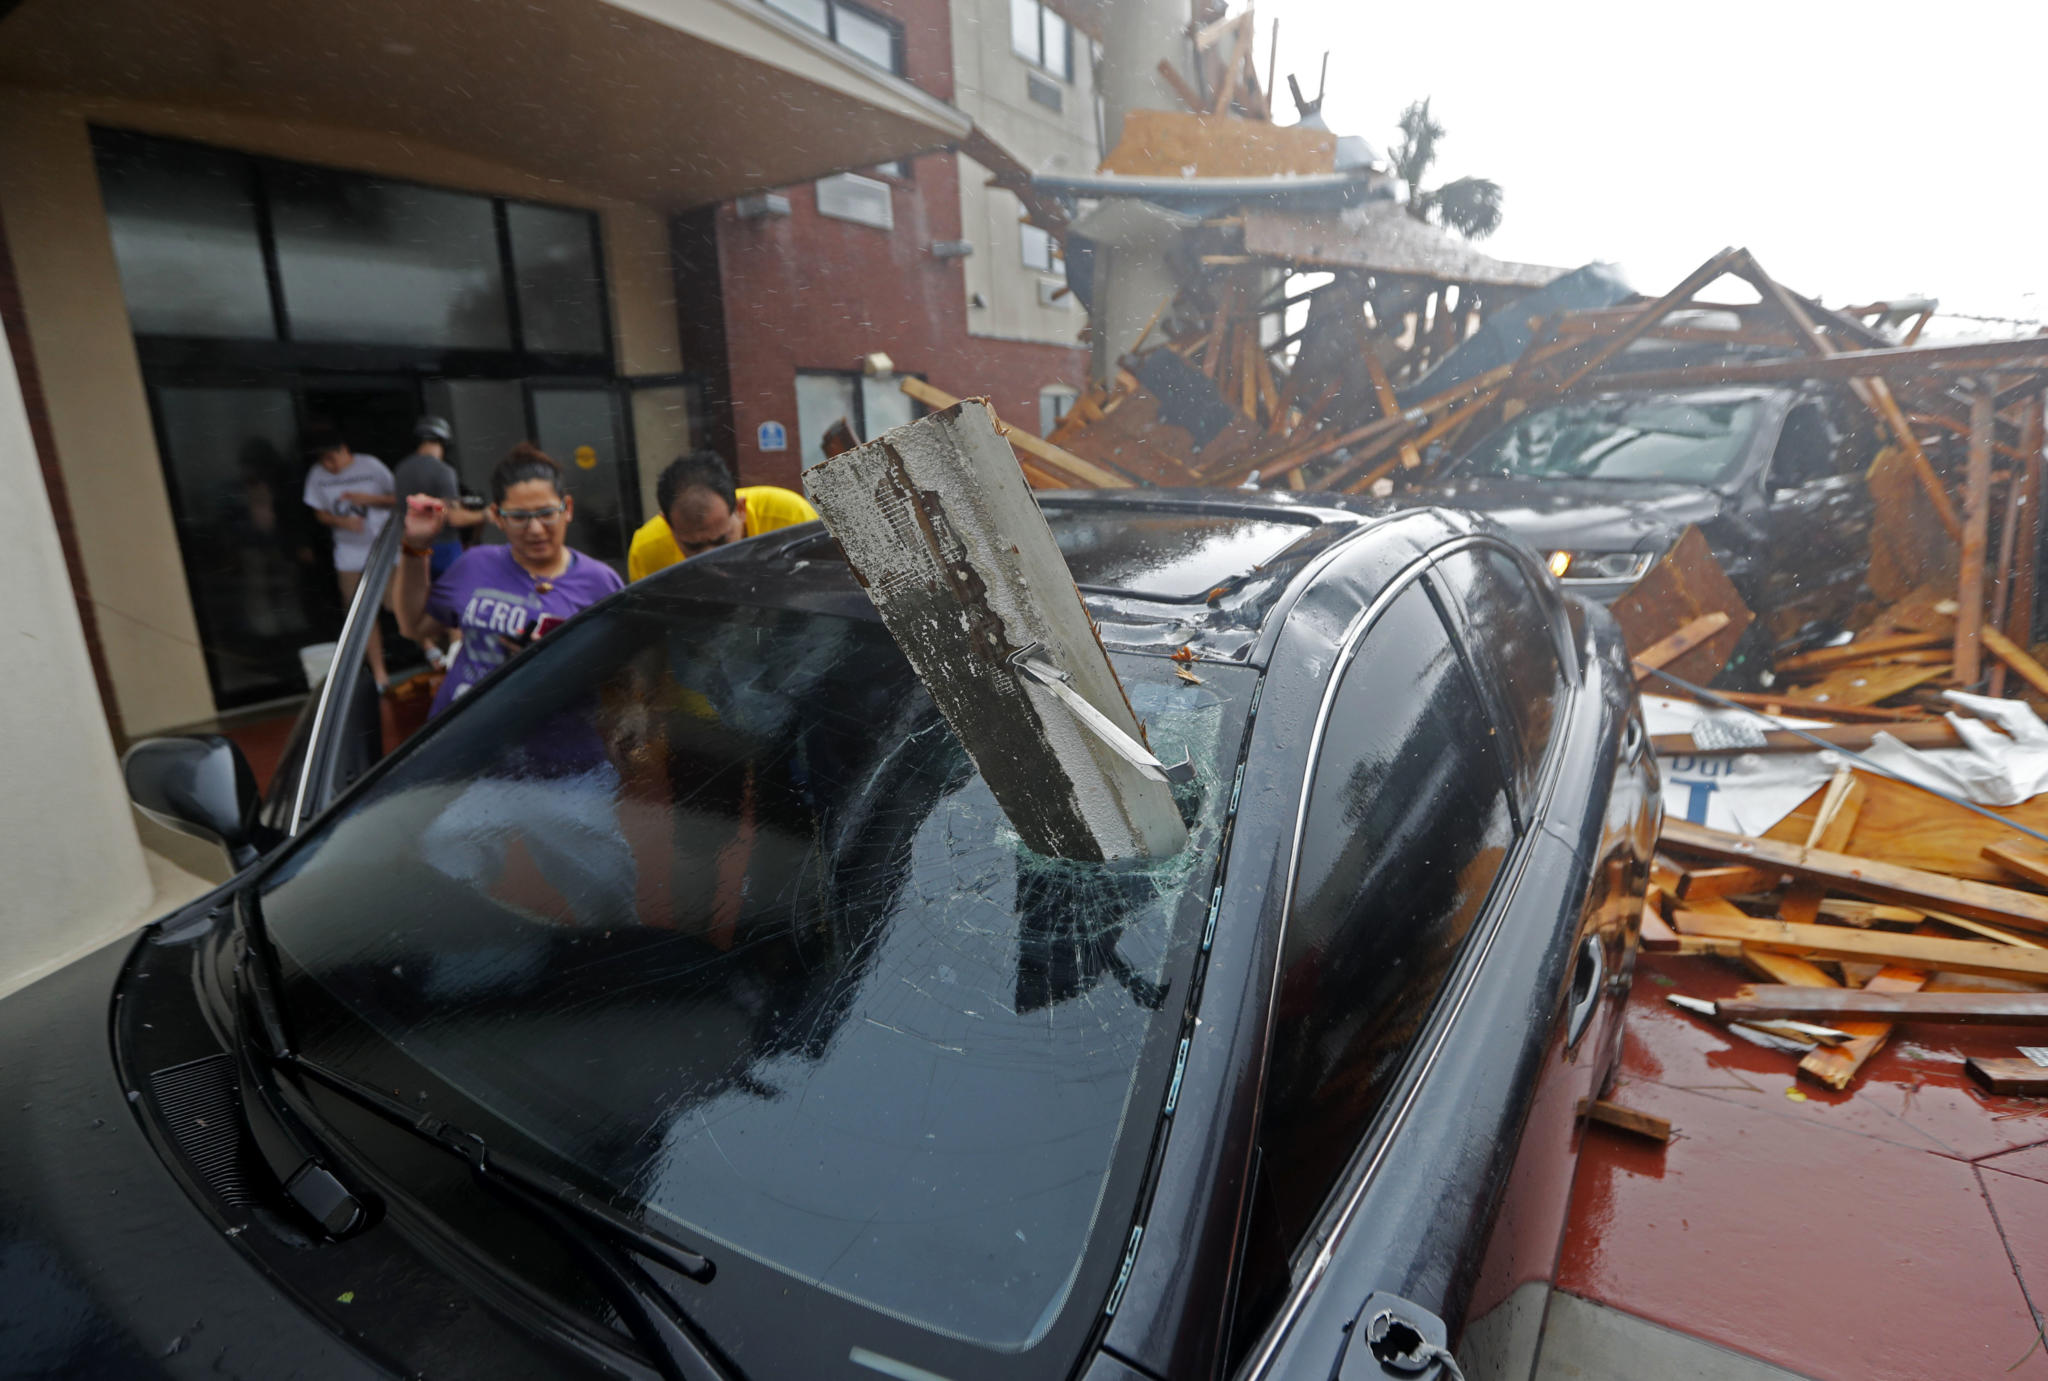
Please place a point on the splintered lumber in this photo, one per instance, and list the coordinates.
(1643, 1124)
(1167, 143)
(940, 529)
(1650, 315)
(2020, 860)
(1976, 530)
(1863, 650)
(2009, 1076)
(1729, 880)
(2014, 656)
(1064, 463)
(1865, 877)
(1904, 825)
(1669, 648)
(1799, 707)
(1687, 585)
(1839, 942)
(1837, 1065)
(1839, 809)
(1935, 733)
(1825, 1005)
(1860, 685)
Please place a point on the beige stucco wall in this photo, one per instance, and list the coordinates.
(72, 868)
(99, 417)
(989, 86)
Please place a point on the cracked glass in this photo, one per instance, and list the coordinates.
(709, 904)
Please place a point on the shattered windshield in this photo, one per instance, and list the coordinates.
(1675, 440)
(709, 904)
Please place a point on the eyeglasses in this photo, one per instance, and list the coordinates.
(533, 515)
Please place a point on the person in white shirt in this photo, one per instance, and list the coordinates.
(350, 494)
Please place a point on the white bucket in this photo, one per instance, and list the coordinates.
(315, 661)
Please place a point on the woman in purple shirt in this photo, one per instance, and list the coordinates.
(499, 598)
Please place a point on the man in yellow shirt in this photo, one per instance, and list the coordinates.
(700, 509)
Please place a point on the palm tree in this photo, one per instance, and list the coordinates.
(1469, 205)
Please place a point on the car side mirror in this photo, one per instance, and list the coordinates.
(199, 784)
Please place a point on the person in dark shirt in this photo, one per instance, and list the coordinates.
(427, 471)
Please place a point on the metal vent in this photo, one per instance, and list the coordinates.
(201, 1104)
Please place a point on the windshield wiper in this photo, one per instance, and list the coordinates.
(591, 1228)
(581, 1221)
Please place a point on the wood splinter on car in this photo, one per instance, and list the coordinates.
(941, 529)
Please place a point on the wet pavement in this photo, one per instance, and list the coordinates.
(1896, 1230)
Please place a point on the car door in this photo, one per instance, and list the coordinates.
(1406, 830)
(339, 734)
(1815, 520)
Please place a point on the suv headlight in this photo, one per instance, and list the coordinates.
(1599, 565)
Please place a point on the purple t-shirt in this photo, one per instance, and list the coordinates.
(494, 602)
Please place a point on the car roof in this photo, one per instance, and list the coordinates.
(1159, 570)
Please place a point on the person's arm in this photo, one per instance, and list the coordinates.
(371, 499)
(424, 518)
(347, 522)
(458, 516)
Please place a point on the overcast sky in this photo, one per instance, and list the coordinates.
(1860, 150)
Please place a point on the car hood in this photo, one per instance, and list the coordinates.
(1596, 515)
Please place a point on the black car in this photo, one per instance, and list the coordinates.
(1602, 486)
(681, 1003)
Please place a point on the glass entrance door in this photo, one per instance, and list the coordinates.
(262, 585)
(582, 428)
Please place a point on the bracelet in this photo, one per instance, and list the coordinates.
(410, 550)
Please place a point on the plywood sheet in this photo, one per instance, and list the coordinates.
(1177, 143)
(1685, 585)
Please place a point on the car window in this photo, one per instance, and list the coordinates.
(707, 905)
(1806, 452)
(1514, 645)
(1674, 439)
(1406, 829)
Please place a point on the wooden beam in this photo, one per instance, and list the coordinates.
(2021, 1076)
(2027, 355)
(1836, 1066)
(2014, 656)
(1866, 649)
(1865, 877)
(1822, 1005)
(1933, 733)
(1799, 707)
(1675, 645)
(1831, 829)
(1976, 520)
(2019, 615)
(946, 539)
(2021, 860)
(1730, 880)
(1643, 1124)
(1044, 452)
(1189, 97)
(1881, 946)
(1650, 315)
(2006, 572)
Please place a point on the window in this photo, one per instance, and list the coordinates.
(870, 36)
(561, 291)
(1407, 826)
(363, 259)
(1044, 92)
(1041, 37)
(870, 406)
(1041, 250)
(1515, 646)
(359, 260)
(184, 222)
(862, 200)
(1054, 404)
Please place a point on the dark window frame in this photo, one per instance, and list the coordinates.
(515, 359)
(1065, 72)
(898, 55)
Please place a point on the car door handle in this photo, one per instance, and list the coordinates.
(1588, 982)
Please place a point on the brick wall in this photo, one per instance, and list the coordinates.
(805, 291)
